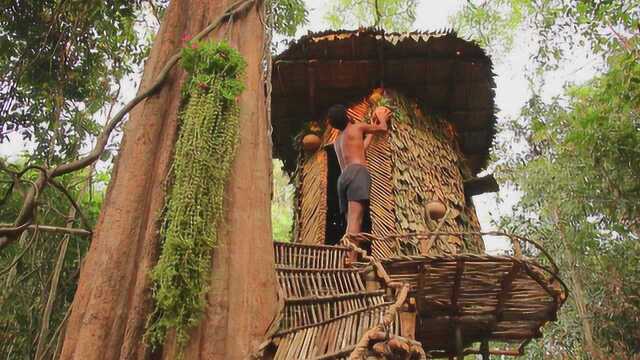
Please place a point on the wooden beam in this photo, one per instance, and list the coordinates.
(484, 349)
(459, 344)
(371, 281)
(455, 294)
(381, 65)
(445, 354)
(328, 298)
(480, 185)
(361, 62)
(463, 320)
(520, 334)
(506, 285)
(408, 324)
(311, 73)
(422, 268)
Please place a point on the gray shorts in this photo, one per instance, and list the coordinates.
(353, 185)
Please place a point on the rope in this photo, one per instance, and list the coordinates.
(402, 291)
(394, 237)
(403, 237)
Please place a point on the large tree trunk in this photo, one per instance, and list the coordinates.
(112, 302)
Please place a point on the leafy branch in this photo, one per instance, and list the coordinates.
(27, 212)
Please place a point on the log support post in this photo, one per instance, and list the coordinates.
(311, 73)
(484, 349)
(380, 50)
(408, 314)
(371, 281)
(459, 344)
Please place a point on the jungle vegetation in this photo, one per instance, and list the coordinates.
(65, 66)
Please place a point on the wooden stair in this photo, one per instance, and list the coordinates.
(327, 307)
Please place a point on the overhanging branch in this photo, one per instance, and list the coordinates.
(9, 234)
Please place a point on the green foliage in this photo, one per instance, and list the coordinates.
(60, 67)
(281, 204)
(595, 134)
(580, 198)
(194, 206)
(391, 15)
(287, 15)
(559, 26)
(60, 62)
(212, 62)
(493, 24)
(27, 265)
(577, 174)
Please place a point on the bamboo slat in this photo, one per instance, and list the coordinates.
(314, 310)
(305, 256)
(330, 337)
(304, 282)
(383, 219)
(313, 199)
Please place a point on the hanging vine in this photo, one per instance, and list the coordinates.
(194, 206)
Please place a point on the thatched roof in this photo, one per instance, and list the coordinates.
(448, 76)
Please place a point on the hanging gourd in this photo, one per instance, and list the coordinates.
(311, 142)
(310, 138)
(376, 96)
(436, 210)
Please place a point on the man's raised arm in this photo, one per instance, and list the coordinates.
(378, 124)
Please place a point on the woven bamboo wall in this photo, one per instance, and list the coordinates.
(379, 162)
(312, 211)
(428, 167)
(383, 219)
(417, 162)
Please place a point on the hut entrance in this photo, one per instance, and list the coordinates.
(336, 223)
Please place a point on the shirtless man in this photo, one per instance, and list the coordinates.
(354, 181)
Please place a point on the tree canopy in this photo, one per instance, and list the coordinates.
(577, 167)
(392, 15)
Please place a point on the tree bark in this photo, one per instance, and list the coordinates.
(113, 300)
(579, 299)
(577, 292)
(43, 337)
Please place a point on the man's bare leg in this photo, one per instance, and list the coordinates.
(355, 214)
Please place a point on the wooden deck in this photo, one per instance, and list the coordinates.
(455, 304)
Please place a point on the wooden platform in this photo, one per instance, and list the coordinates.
(456, 304)
(482, 297)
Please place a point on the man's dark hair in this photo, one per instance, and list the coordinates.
(337, 115)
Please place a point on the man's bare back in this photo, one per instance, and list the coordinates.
(355, 138)
(354, 181)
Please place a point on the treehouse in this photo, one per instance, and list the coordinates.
(425, 287)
